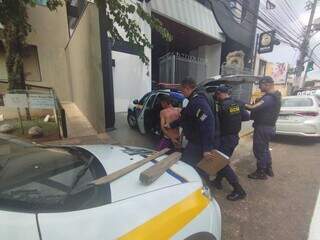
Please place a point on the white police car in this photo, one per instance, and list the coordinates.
(42, 196)
(144, 114)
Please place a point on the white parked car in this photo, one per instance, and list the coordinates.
(44, 194)
(299, 116)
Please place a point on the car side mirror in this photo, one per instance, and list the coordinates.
(136, 101)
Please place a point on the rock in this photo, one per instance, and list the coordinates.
(7, 128)
(35, 132)
(47, 118)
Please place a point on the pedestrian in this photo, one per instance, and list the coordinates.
(264, 113)
(198, 123)
(231, 114)
(168, 114)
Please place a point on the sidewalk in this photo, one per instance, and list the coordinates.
(247, 129)
(123, 134)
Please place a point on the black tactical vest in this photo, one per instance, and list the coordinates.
(268, 116)
(230, 117)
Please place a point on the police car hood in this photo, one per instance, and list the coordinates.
(114, 158)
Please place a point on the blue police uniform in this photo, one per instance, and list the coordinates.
(265, 117)
(198, 123)
(231, 114)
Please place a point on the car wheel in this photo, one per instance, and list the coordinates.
(132, 121)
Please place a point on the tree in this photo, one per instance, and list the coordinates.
(14, 19)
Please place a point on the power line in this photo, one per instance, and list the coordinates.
(283, 16)
(294, 12)
(267, 22)
(280, 29)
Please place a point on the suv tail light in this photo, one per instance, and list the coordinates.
(307, 114)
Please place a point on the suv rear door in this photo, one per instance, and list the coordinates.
(145, 112)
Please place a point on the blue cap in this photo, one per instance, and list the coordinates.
(266, 79)
(223, 88)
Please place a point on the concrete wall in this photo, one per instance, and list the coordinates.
(129, 81)
(212, 55)
(132, 78)
(50, 35)
(84, 64)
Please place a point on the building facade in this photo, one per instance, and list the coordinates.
(195, 50)
(64, 52)
(238, 20)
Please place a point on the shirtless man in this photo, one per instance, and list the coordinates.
(168, 115)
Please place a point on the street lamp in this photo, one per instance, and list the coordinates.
(310, 56)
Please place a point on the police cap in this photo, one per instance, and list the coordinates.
(266, 79)
(223, 88)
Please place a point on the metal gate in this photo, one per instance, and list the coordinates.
(174, 67)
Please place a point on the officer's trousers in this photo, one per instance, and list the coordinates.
(192, 155)
(227, 146)
(262, 135)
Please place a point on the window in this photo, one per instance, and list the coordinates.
(144, 99)
(297, 102)
(151, 101)
(31, 64)
(3, 68)
(262, 68)
(42, 2)
(238, 9)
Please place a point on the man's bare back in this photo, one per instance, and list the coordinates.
(168, 116)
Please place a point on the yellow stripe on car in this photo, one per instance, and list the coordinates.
(172, 220)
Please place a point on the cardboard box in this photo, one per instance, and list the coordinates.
(214, 162)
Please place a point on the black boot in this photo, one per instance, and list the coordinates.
(269, 171)
(259, 174)
(217, 184)
(237, 194)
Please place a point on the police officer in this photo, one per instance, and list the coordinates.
(198, 123)
(231, 114)
(264, 114)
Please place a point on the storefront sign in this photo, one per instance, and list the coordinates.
(41, 101)
(266, 42)
(313, 92)
(15, 100)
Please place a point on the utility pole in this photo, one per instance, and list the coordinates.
(298, 82)
(310, 57)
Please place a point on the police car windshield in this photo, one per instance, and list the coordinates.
(41, 179)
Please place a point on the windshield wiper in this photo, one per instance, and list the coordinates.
(80, 174)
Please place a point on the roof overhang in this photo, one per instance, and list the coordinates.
(191, 14)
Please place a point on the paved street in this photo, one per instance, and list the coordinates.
(125, 135)
(280, 208)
